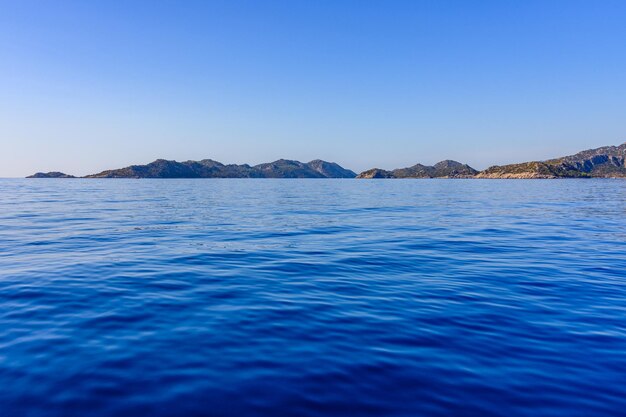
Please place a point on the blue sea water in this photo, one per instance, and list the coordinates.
(312, 298)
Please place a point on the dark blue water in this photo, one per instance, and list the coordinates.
(312, 298)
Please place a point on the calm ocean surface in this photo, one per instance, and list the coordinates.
(312, 298)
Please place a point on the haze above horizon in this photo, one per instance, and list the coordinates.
(89, 86)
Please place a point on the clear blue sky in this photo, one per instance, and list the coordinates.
(89, 85)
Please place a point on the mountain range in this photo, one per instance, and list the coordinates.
(604, 162)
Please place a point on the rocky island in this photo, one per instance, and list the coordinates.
(443, 169)
(604, 162)
(52, 174)
(208, 168)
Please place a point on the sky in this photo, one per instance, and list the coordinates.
(93, 85)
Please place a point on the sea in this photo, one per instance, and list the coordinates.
(312, 297)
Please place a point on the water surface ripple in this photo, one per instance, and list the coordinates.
(312, 298)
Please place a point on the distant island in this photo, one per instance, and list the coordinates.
(208, 168)
(443, 169)
(52, 174)
(604, 162)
